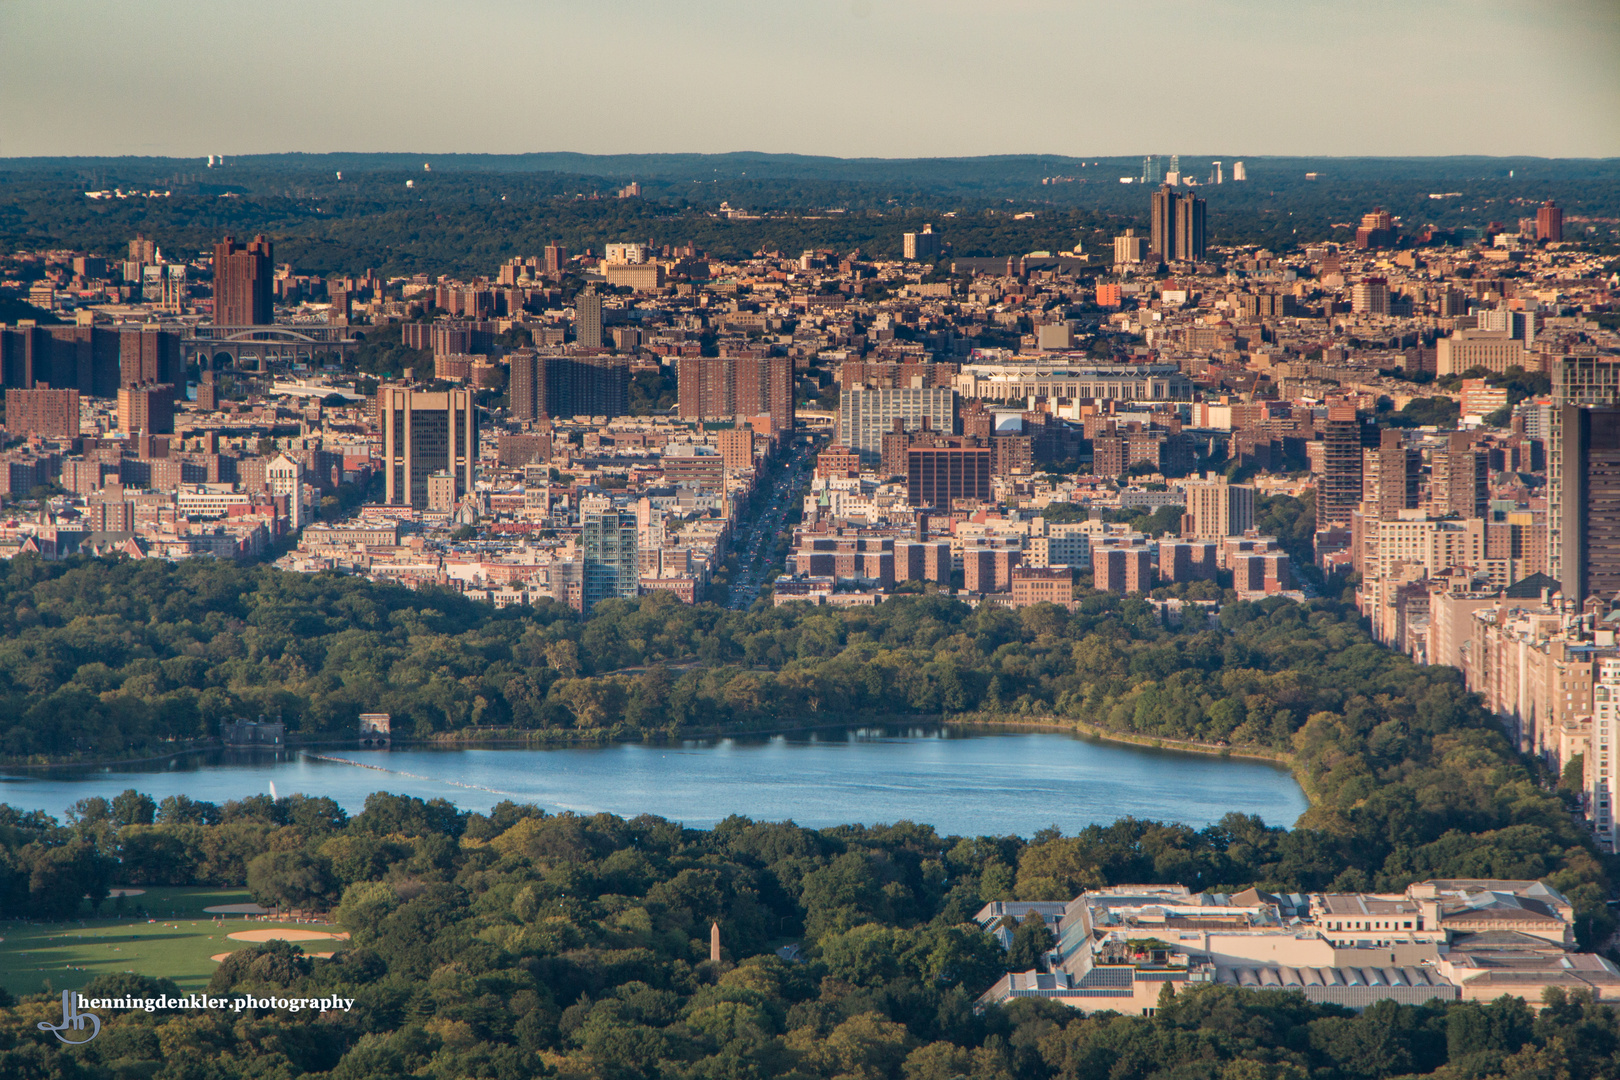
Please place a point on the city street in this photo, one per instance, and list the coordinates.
(756, 540)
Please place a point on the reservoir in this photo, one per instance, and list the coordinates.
(962, 782)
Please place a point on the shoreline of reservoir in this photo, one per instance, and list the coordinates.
(964, 777)
(508, 738)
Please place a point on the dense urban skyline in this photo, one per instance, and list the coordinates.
(854, 78)
(1087, 542)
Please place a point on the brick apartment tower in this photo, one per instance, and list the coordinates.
(723, 388)
(1549, 222)
(148, 410)
(1390, 475)
(51, 413)
(1339, 489)
(243, 283)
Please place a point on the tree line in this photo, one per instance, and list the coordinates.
(1408, 776)
(468, 220)
(520, 944)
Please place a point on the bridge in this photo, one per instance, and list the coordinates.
(257, 348)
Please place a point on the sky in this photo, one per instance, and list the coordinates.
(849, 78)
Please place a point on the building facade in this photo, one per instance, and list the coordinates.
(724, 388)
(609, 564)
(1059, 381)
(588, 319)
(1588, 507)
(1216, 508)
(953, 467)
(244, 287)
(557, 385)
(424, 432)
(865, 415)
(51, 413)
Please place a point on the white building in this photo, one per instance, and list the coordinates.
(285, 476)
(632, 254)
(1602, 792)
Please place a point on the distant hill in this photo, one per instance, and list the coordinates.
(467, 211)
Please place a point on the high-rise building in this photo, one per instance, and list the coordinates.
(923, 246)
(285, 477)
(1162, 224)
(1549, 222)
(724, 388)
(588, 319)
(50, 413)
(82, 358)
(1459, 479)
(1377, 229)
(1338, 489)
(1239, 172)
(951, 467)
(149, 356)
(142, 250)
(609, 564)
(1370, 296)
(737, 449)
(1129, 248)
(146, 410)
(555, 258)
(1390, 475)
(628, 254)
(1122, 568)
(1216, 508)
(1588, 506)
(1177, 231)
(244, 283)
(865, 415)
(422, 433)
(207, 391)
(1581, 378)
(542, 385)
(1188, 560)
(1152, 169)
(1602, 768)
(1190, 242)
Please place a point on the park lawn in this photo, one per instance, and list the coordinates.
(176, 944)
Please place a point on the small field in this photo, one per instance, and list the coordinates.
(174, 939)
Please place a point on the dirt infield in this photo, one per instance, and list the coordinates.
(287, 934)
(236, 909)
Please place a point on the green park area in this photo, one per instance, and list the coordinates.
(164, 932)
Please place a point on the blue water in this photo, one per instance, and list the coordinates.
(961, 783)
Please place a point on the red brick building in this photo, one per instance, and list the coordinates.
(51, 413)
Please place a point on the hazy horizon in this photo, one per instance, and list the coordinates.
(891, 79)
(1124, 159)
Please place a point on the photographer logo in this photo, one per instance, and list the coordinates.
(73, 1020)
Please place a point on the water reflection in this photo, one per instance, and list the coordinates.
(960, 780)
